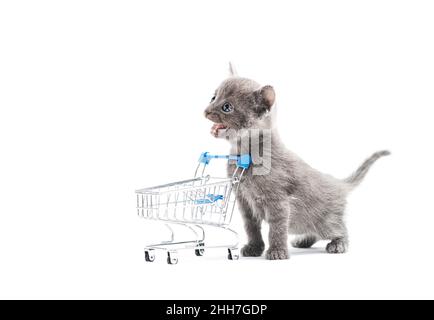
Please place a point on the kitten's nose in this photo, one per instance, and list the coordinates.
(211, 116)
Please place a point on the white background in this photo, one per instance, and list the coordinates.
(99, 98)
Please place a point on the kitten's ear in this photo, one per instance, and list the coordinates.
(232, 70)
(266, 96)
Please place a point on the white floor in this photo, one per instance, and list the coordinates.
(104, 259)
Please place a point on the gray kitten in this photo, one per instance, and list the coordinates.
(292, 197)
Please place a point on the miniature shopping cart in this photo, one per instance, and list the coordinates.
(194, 205)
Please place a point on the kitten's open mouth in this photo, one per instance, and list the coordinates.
(217, 129)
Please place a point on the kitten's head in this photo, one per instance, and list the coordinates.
(240, 103)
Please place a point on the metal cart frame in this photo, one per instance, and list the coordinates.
(194, 205)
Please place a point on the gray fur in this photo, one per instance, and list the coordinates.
(293, 197)
(305, 241)
(232, 70)
(360, 173)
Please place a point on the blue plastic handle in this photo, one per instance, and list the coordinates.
(243, 161)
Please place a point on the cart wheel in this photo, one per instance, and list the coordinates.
(200, 252)
(233, 254)
(172, 257)
(149, 255)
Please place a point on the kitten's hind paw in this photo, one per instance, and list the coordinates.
(304, 242)
(251, 250)
(277, 254)
(337, 246)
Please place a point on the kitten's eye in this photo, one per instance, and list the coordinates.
(227, 107)
(212, 99)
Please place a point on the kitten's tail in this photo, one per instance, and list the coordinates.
(356, 177)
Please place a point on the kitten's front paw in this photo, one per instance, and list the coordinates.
(277, 254)
(336, 246)
(252, 250)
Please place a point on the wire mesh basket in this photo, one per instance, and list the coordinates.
(202, 200)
